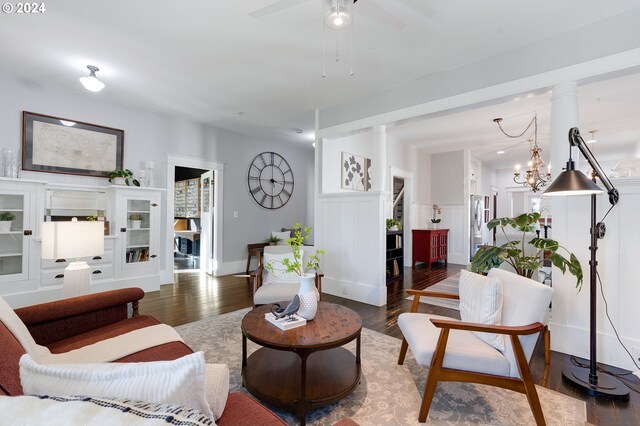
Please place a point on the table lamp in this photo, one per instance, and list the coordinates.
(73, 239)
(574, 182)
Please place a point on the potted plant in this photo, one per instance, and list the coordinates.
(513, 251)
(305, 270)
(393, 225)
(435, 220)
(123, 177)
(135, 220)
(5, 221)
(272, 240)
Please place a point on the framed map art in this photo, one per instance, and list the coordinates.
(58, 145)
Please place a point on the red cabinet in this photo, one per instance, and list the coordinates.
(430, 245)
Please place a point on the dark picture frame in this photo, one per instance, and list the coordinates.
(59, 145)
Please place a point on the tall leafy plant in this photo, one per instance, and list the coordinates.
(296, 264)
(513, 251)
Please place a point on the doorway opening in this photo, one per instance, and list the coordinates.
(189, 214)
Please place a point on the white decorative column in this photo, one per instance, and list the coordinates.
(564, 116)
(379, 167)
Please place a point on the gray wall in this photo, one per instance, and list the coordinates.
(150, 135)
(447, 178)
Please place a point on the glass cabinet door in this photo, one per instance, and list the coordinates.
(138, 231)
(13, 261)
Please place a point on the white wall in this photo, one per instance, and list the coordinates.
(617, 264)
(361, 144)
(150, 135)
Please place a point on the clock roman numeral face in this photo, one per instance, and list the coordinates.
(270, 180)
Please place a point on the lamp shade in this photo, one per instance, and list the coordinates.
(72, 239)
(572, 182)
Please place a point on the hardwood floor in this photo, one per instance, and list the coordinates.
(195, 296)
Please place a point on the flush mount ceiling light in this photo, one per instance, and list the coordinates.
(338, 17)
(91, 82)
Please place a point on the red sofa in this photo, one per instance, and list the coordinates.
(72, 323)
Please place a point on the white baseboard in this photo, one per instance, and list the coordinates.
(575, 341)
(365, 293)
(228, 268)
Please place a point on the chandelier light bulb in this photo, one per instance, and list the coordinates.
(91, 82)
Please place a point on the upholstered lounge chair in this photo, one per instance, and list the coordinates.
(454, 353)
(267, 290)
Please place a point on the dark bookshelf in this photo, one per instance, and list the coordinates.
(394, 254)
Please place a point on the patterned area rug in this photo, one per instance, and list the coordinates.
(448, 285)
(389, 394)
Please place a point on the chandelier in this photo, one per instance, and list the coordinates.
(535, 176)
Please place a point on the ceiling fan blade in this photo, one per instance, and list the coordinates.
(420, 6)
(276, 7)
(372, 11)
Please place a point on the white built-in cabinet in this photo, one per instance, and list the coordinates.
(131, 249)
(16, 199)
(138, 225)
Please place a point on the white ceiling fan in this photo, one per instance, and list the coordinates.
(372, 11)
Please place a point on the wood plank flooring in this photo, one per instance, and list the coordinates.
(194, 296)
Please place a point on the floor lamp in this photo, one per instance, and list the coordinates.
(73, 239)
(574, 182)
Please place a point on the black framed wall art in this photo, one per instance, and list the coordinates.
(59, 145)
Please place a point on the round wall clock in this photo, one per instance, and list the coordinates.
(270, 180)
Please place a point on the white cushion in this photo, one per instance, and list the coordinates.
(80, 410)
(525, 301)
(481, 303)
(278, 275)
(272, 293)
(465, 351)
(284, 236)
(180, 382)
(15, 325)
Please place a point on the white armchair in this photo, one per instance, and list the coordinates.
(272, 287)
(455, 353)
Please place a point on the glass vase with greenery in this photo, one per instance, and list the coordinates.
(513, 251)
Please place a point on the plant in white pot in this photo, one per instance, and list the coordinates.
(135, 220)
(5, 221)
(305, 270)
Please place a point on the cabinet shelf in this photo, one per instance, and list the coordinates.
(138, 229)
(16, 254)
(11, 233)
(139, 211)
(11, 210)
(138, 246)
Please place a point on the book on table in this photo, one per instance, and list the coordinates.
(285, 323)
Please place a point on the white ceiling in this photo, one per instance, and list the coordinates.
(209, 60)
(612, 107)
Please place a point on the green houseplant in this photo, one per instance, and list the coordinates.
(295, 263)
(436, 211)
(513, 251)
(394, 223)
(272, 240)
(5, 221)
(125, 174)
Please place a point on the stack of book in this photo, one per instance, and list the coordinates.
(285, 323)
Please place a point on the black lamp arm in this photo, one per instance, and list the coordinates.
(576, 140)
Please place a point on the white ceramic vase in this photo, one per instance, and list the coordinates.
(308, 297)
(5, 226)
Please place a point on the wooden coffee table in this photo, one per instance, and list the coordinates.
(306, 367)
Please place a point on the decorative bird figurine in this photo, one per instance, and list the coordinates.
(291, 309)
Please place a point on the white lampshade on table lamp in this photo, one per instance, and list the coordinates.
(73, 239)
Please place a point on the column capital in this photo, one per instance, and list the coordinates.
(566, 88)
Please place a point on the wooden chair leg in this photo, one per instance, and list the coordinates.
(527, 379)
(434, 374)
(547, 344)
(403, 351)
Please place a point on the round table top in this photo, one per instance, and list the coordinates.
(334, 325)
